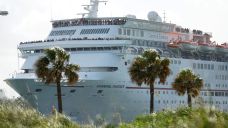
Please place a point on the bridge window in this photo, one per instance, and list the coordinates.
(95, 31)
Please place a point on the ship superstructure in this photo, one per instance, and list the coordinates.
(104, 48)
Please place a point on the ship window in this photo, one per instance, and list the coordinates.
(96, 31)
(67, 49)
(133, 32)
(86, 49)
(222, 67)
(114, 48)
(38, 90)
(226, 67)
(128, 32)
(209, 66)
(120, 31)
(99, 91)
(73, 90)
(211, 93)
(194, 66)
(205, 66)
(100, 48)
(212, 66)
(198, 66)
(79, 49)
(205, 93)
(226, 94)
(107, 48)
(73, 49)
(62, 32)
(93, 48)
(171, 61)
(201, 66)
(124, 31)
(142, 33)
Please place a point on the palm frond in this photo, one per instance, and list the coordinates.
(70, 73)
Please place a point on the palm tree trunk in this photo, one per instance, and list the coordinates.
(59, 95)
(189, 99)
(151, 98)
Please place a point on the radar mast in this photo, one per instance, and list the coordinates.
(92, 8)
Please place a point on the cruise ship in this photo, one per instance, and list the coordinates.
(104, 48)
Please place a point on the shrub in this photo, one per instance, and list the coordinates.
(182, 118)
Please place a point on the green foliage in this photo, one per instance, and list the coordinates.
(50, 68)
(182, 118)
(18, 114)
(148, 67)
(187, 82)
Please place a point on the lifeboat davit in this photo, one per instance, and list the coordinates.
(222, 48)
(206, 47)
(188, 45)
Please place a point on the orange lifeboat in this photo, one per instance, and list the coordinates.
(187, 45)
(222, 48)
(174, 46)
(206, 47)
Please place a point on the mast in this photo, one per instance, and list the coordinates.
(92, 8)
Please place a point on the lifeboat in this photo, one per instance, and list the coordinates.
(187, 45)
(222, 48)
(206, 47)
(174, 46)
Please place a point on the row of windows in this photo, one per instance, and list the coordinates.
(215, 102)
(203, 66)
(172, 102)
(221, 77)
(131, 32)
(183, 102)
(93, 48)
(78, 49)
(95, 31)
(148, 43)
(165, 92)
(221, 86)
(223, 67)
(207, 85)
(211, 93)
(214, 93)
(62, 32)
(175, 62)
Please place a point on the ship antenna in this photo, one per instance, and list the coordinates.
(164, 16)
(92, 8)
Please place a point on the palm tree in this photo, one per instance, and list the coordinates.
(187, 81)
(147, 68)
(52, 67)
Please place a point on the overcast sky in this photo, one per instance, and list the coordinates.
(30, 20)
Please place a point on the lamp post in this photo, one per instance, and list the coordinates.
(3, 13)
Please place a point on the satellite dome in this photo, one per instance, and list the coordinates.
(131, 16)
(153, 16)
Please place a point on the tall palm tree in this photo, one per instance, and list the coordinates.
(52, 67)
(147, 68)
(187, 82)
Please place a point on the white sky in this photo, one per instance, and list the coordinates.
(30, 20)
